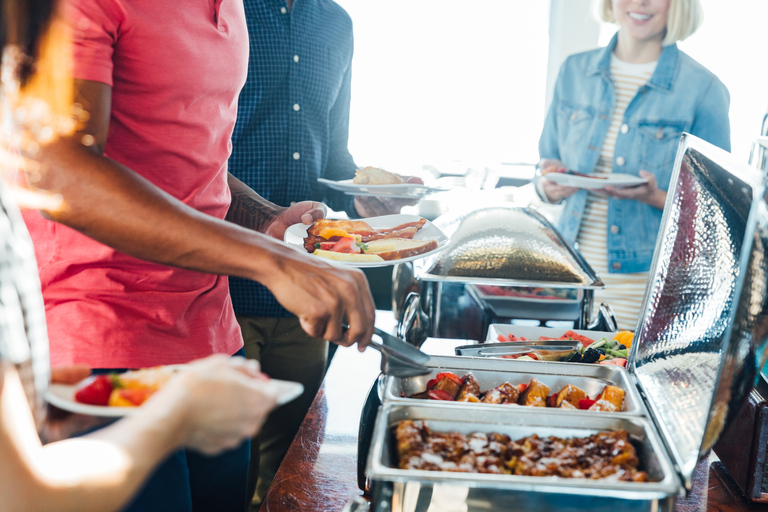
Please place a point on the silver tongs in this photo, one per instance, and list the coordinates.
(553, 350)
(398, 358)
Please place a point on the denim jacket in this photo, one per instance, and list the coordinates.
(681, 96)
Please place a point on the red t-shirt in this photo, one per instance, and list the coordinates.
(176, 70)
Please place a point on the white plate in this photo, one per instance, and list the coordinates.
(63, 397)
(400, 190)
(294, 236)
(613, 179)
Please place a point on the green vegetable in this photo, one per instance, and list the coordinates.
(317, 245)
(362, 245)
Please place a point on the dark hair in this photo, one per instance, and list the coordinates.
(29, 20)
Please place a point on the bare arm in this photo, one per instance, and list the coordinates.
(211, 407)
(114, 205)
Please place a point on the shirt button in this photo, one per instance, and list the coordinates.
(283, 10)
(615, 229)
(616, 265)
(624, 128)
(296, 107)
(620, 161)
(296, 156)
(295, 58)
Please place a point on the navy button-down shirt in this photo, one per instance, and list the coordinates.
(293, 116)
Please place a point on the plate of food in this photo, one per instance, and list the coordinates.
(372, 181)
(589, 181)
(119, 394)
(374, 242)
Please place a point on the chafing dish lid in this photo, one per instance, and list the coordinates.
(506, 246)
(704, 306)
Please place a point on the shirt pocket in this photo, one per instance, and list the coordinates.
(574, 124)
(658, 146)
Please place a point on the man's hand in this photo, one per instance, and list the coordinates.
(305, 212)
(648, 193)
(369, 206)
(324, 297)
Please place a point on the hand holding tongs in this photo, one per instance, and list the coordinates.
(399, 358)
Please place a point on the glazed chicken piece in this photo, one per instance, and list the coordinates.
(470, 389)
(448, 385)
(611, 400)
(535, 394)
(569, 395)
(504, 394)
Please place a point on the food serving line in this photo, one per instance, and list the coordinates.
(319, 472)
(693, 361)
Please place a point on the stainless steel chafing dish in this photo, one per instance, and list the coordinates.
(498, 246)
(591, 378)
(694, 359)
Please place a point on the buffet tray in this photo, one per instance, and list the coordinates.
(532, 307)
(534, 333)
(402, 490)
(492, 372)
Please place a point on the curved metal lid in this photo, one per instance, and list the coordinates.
(506, 246)
(705, 308)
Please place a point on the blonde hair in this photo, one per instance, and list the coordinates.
(683, 19)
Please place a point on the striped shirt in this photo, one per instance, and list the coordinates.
(23, 337)
(293, 116)
(623, 292)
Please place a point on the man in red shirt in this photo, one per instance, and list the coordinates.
(151, 188)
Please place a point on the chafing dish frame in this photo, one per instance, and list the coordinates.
(733, 347)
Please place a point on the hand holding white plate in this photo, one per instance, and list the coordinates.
(63, 397)
(295, 235)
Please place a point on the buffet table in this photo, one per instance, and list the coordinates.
(319, 473)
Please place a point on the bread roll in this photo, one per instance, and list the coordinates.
(375, 176)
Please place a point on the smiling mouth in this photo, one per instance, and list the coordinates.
(640, 17)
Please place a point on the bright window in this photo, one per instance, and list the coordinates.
(443, 80)
(455, 80)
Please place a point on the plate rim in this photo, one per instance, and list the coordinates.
(400, 190)
(589, 182)
(293, 391)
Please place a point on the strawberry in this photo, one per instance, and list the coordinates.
(97, 391)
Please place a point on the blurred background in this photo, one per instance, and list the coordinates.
(457, 84)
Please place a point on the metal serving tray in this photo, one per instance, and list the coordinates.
(532, 307)
(401, 490)
(534, 333)
(491, 372)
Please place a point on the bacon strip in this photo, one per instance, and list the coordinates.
(368, 234)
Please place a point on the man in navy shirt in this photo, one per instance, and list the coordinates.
(292, 128)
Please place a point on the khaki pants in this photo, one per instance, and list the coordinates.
(285, 352)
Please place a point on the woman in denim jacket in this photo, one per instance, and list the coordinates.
(622, 109)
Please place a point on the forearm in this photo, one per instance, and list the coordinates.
(248, 209)
(113, 205)
(94, 473)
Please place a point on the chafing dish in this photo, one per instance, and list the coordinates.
(591, 378)
(495, 246)
(413, 490)
(694, 358)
